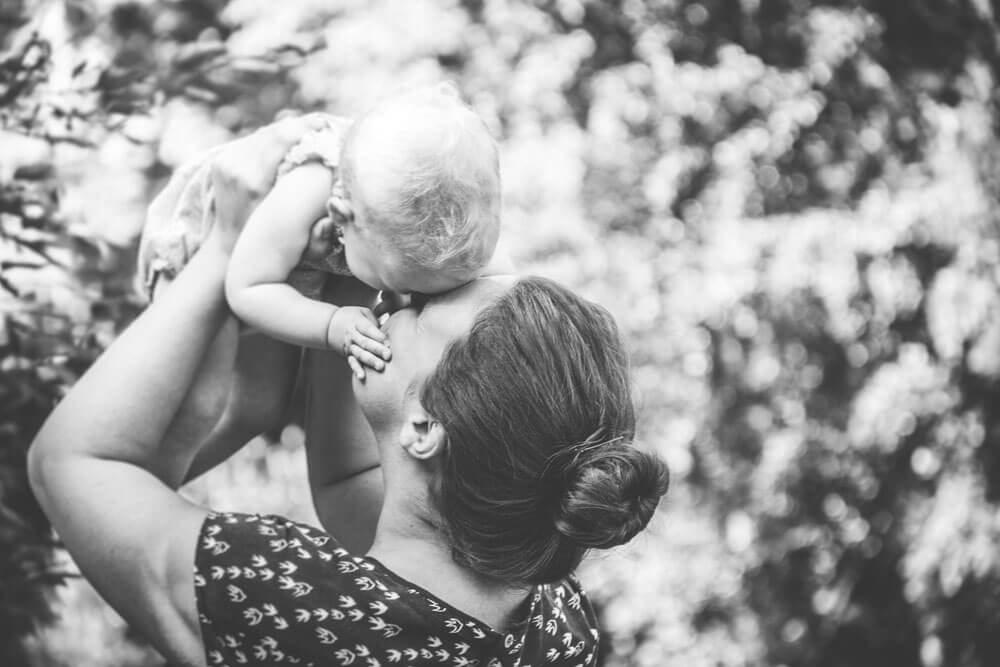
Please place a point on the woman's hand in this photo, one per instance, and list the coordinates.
(244, 170)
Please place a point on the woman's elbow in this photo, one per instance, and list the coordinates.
(39, 463)
(51, 467)
(240, 296)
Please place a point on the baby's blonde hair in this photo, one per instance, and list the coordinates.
(440, 203)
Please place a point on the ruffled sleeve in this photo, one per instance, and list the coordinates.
(322, 146)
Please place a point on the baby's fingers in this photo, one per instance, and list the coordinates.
(356, 368)
(369, 337)
(365, 357)
(368, 325)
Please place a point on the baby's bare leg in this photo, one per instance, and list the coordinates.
(261, 385)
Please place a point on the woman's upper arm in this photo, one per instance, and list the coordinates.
(349, 508)
(134, 539)
(344, 473)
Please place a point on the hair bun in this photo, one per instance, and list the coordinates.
(611, 492)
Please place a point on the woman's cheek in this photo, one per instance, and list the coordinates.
(379, 396)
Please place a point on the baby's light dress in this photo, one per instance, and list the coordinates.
(178, 222)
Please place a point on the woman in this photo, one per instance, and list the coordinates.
(502, 430)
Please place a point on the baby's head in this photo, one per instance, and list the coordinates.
(422, 176)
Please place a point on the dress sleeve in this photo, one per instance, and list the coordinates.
(322, 145)
(270, 590)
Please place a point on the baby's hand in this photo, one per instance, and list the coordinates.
(353, 331)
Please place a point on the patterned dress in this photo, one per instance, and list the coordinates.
(271, 591)
(180, 218)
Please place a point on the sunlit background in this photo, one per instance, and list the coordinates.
(789, 206)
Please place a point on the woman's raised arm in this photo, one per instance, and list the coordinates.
(99, 465)
(344, 473)
(104, 480)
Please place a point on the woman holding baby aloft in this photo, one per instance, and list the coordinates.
(502, 426)
(404, 199)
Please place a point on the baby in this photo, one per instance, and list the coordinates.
(418, 212)
(414, 209)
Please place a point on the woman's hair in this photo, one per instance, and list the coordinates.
(539, 465)
(440, 204)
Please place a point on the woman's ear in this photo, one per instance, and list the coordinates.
(422, 437)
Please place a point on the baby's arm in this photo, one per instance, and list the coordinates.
(269, 247)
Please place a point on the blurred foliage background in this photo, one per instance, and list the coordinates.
(790, 206)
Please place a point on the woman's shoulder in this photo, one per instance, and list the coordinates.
(271, 587)
(264, 546)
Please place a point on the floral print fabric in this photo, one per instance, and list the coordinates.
(273, 591)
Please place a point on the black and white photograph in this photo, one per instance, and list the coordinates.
(500, 333)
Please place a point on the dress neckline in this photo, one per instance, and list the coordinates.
(533, 594)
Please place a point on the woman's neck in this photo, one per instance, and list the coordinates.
(411, 544)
